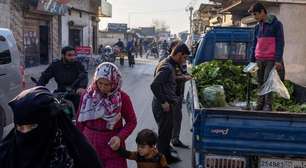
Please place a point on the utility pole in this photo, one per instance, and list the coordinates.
(190, 20)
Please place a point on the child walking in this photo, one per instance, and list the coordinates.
(146, 155)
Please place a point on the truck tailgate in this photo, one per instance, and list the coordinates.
(250, 132)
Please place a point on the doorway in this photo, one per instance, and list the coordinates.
(44, 44)
(75, 38)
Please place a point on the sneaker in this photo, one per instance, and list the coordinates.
(179, 144)
(172, 150)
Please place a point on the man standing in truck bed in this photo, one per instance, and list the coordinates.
(267, 50)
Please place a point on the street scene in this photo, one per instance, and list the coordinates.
(152, 84)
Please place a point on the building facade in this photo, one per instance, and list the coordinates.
(35, 25)
(79, 26)
(42, 27)
(202, 17)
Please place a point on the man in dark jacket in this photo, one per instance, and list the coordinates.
(65, 72)
(181, 77)
(267, 50)
(164, 88)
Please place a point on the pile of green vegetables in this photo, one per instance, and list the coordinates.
(281, 104)
(227, 74)
(234, 82)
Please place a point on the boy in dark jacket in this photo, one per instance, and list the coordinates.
(267, 50)
(147, 155)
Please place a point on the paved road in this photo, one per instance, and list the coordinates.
(136, 82)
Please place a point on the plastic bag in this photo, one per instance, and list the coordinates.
(274, 84)
(214, 96)
(251, 68)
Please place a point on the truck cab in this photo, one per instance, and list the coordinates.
(224, 43)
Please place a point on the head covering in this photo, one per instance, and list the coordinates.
(55, 142)
(95, 105)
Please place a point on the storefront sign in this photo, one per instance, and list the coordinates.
(83, 50)
(57, 7)
(117, 27)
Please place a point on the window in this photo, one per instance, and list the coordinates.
(5, 55)
(222, 50)
(234, 51)
(238, 51)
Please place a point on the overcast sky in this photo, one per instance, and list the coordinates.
(143, 12)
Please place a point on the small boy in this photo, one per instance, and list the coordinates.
(147, 155)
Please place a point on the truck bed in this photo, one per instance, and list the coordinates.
(241, 132)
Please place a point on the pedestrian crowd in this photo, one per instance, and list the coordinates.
(44, 136)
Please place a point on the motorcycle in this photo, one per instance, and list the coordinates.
(119, 53)
(68, 107)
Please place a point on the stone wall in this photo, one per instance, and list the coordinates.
(4, 14)
(55, 38)
(16, 24)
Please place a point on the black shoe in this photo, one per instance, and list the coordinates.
(172, 150)
(178, 143)
(172, 159)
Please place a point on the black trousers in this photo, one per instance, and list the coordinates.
(164, 121)
(263, 73)
(177, 119)
(131, 58)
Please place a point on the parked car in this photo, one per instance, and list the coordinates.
(11, 77)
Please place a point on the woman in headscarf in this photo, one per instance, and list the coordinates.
(43, 136)
(102, 111)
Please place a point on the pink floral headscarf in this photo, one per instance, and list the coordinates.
(94, 105)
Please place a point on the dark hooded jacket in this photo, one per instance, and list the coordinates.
(54, 143)
(268, 41)
(65, 74)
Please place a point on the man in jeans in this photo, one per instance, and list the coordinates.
(165, 98)
(267, 50)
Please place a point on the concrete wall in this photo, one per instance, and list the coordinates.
(80, 4)
(84, 22)
(56, 48)
(294, 21)
(85, 5)
(107, 38)
(4, 14)
(16, 24)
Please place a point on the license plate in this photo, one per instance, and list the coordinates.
(281, 163)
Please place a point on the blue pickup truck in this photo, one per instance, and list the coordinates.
(234, 138)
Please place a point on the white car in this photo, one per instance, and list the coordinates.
(11, 77)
